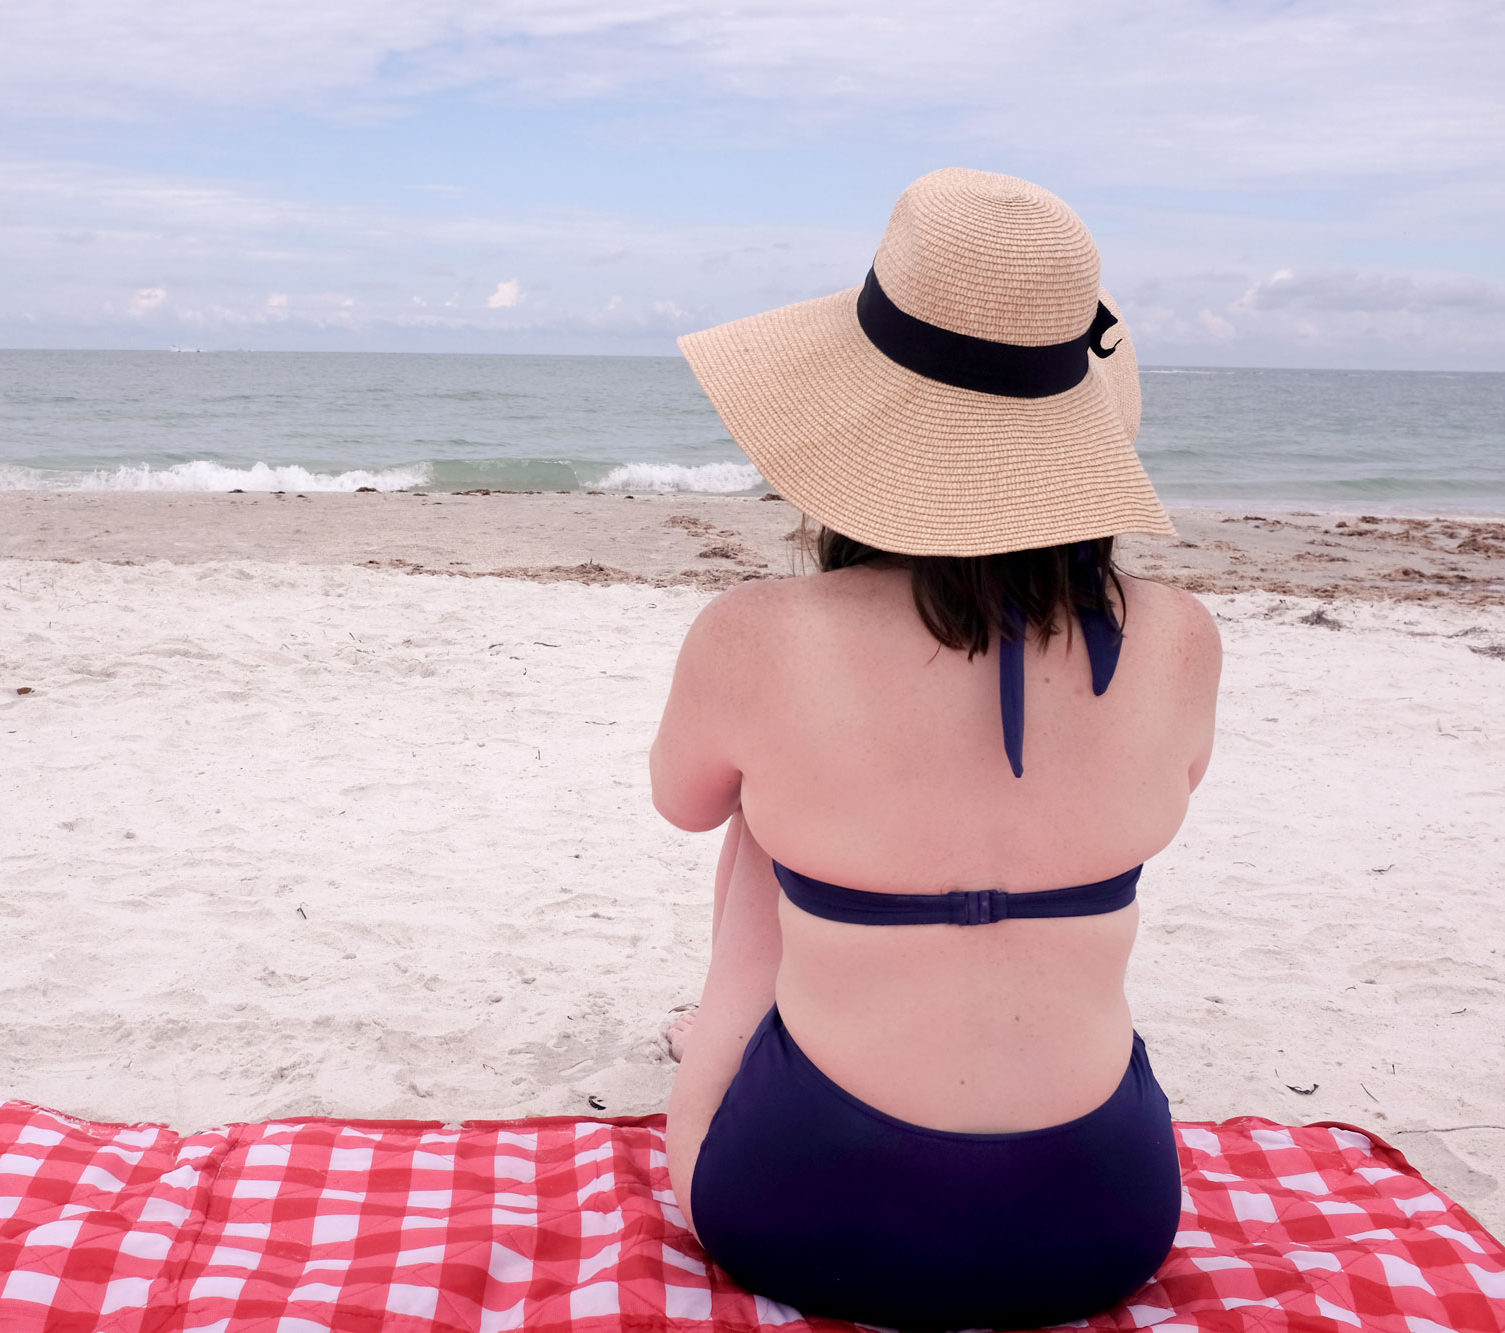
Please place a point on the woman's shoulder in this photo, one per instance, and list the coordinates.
(755, 638)
(1181, 624)
(744, 609)
(737, 631)
(782, 605)
(1170, 607)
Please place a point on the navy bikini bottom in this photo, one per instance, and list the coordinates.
(811, 1197)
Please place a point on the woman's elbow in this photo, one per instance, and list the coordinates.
(695, 807)
(692, 817)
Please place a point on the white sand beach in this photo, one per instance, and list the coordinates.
(290, 833)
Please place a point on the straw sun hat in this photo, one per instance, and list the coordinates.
(977, 395)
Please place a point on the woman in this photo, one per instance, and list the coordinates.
(913, 1094)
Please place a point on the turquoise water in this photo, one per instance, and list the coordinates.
(216, 421)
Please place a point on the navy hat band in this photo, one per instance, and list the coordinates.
(978, 364)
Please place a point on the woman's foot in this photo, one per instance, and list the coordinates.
(678, 1031)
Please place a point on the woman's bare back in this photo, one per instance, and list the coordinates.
(867, 755)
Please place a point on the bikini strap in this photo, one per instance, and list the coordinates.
(1101, 634)
(970, 907)
(1011, 687)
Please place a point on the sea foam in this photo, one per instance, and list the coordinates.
(702, 478)
(202, 475)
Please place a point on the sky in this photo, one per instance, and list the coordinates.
(1270, 184)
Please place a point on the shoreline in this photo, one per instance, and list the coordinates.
(712, 542)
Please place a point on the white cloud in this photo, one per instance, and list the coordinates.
(1218, 328)
(1261, 177)
(1322, 318)
(507, 295)
(1371, 293)
(260, 268)
(206, 257)
(1185, 91)
(1258, 293)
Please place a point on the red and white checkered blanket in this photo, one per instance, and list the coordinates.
(558, 1224)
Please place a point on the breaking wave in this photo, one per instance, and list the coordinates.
(701, 479)
(202, 475)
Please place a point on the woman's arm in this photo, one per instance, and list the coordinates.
(697, 784)
(1202, 665)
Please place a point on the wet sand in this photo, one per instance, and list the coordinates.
(712, 542)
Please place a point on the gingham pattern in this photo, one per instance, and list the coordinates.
(551, 1225)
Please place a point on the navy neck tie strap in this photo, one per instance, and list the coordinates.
(1011, 688)
(1100, 630)
(1101, 636)
(1007, 370)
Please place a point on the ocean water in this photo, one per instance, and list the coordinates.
(216, 421)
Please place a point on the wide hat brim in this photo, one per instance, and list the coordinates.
(917, 467)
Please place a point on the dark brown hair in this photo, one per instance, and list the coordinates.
(961, 598)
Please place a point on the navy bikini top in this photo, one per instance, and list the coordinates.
(978, 907)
